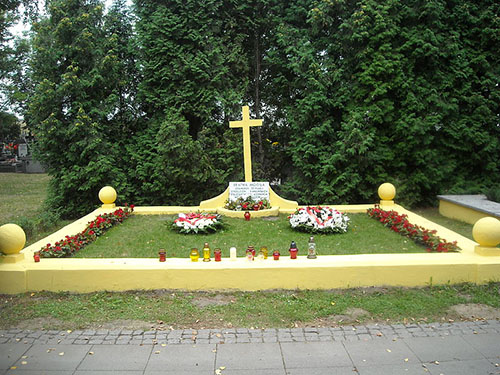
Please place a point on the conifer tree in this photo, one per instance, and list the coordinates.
(70, 108)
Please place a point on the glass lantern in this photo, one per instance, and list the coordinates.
(311, 249)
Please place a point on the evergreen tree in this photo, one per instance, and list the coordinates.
(353, 94)
(194, 79)
(70, 108)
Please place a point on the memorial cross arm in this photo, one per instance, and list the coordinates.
(246, 123)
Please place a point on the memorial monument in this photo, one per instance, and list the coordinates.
(248, 188)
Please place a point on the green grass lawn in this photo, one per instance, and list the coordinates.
(142, 237)
(21, 195)
(261, 309)
(432, 214)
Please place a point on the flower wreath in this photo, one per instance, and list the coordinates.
(319, 220)
(197, 223)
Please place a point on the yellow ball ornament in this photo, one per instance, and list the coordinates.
(12, 239)
(107, 195)
(387, 191)
(486, 232)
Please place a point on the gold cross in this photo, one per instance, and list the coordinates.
(245, 123)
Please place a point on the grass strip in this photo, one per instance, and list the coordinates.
(143, 236)
(263, 309)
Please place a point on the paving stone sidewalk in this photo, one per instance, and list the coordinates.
(244, 335)
(435, 348)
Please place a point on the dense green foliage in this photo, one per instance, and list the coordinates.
(9, 127)
(352, 93)
(14, 52)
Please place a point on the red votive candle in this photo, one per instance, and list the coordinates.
(293, 250)
(276, 255)
(36, 256)
(218, 255)
(163, 255)
(247, 216)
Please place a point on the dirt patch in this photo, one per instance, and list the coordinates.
(351, 316)
(475, 311)
(466, 297)
(37, 324)
(41, 323)
(130, 324)
(217, 300)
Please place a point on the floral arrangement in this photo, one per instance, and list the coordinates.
(71, 244)
(319, 220)
(247, 204)
(197, 223)
(400, 224)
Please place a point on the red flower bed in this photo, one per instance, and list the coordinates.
(400, 224)
(71, 244)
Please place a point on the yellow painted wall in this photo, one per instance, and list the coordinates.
(458, 212)
(325, 272)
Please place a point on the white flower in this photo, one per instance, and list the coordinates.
(324, 219)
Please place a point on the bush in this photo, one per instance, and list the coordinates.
(43, 222)
(493, 194)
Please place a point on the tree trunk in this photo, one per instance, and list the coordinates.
(257, 97)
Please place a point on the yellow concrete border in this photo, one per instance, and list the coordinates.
(273, 211)
(459, 212)
(216, 202)
(284, 205)
(328, 271)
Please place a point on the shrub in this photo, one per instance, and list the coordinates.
(493, 194)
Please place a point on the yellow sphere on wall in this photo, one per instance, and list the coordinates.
(387, 191)
(107, 195)
(12, 239)
(486, 232)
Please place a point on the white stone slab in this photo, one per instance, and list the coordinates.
(256, 190)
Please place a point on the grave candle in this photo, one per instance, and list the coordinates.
(250, 255)
(293, 250)
(260, 257)
(163, 255)
(264, 251)
(36, 256)
(276, 255)
(252, 249)
(218, 255)
(194, 254)
(206, 252)
(232, 253)
(311, 249)
(247, 216)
